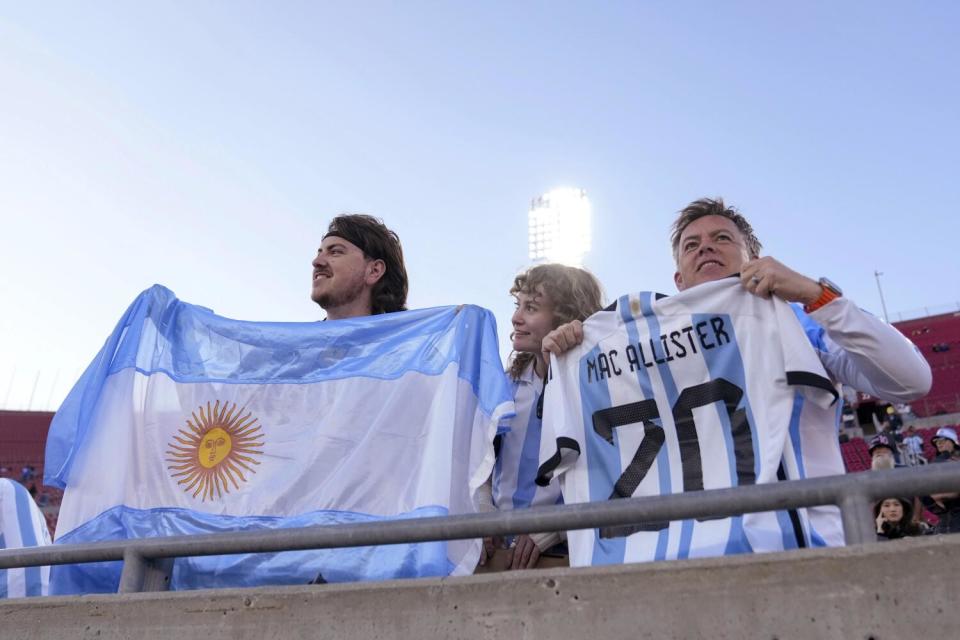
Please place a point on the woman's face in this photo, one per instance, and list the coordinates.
(532, 320)
(944, 446)
(891, 510)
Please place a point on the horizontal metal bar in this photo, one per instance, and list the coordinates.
(937, 478)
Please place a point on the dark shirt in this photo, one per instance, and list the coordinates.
(948, 509)
(891, 531)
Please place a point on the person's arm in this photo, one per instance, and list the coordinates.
(528, 547)
(869, 355)
(546, 541)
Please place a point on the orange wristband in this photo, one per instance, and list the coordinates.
(827, 294)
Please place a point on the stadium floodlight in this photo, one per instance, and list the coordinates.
(559, 227)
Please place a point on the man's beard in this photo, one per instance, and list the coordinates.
(882, 462)
(341, 296)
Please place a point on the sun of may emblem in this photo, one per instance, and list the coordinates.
(217, 446)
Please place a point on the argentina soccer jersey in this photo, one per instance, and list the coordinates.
(674, 394)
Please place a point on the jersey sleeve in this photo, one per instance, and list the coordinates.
(861, 351)
(559, 440)
(802, 365)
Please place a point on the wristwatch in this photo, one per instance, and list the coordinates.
(829, 292)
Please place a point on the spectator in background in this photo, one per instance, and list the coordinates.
(889, 426)
(905, 411)
(913, 447)
(894, 419)
(882, 449)
(894, 518)
(946, 506)
(946, 443)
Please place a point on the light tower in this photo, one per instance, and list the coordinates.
(559, 228)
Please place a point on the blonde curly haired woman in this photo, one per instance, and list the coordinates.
(547, 296)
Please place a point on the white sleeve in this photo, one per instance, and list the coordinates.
(545, 541)
(869, 355)
(559, 440)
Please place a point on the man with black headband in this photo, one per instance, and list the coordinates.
(359, 269)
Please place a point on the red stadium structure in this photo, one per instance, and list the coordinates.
(23, 437)
(938, 338)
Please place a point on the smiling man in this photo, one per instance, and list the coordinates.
(712, 241)
(359, 269)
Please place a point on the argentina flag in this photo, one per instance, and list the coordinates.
(21, 525)
(188, 423)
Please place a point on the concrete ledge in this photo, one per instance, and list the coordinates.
(879, 591)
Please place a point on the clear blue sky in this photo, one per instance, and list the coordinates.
(205, 145)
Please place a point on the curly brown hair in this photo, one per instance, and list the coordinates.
(575, 294)
(377, 243)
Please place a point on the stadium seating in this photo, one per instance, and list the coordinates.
(938, 338)
(856, 457)
(23, 435)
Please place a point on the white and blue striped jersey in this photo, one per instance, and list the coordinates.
(21, 525)
(518, 454)
(683, 393)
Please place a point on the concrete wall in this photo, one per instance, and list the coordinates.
(902, 589)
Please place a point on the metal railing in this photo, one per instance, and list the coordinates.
(147, 562)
